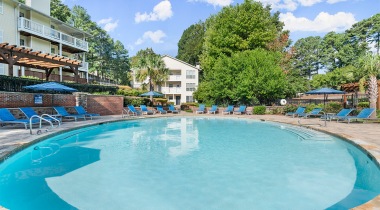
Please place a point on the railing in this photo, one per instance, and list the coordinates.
(174, 78)
(84, 67)
(167, 90)
(41, 118)
(49, 33)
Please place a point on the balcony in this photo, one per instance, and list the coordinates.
(170, 90)
(48, 33)
(174, 78)
(84, 67)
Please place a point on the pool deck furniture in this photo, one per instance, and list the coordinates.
(161, 110)
(343, 113)
(316, 112)
(364, 114)
(6, 117)
(213, 110)
(228, 110)
(300, 110)
(173, 110)
(130, 111)
(62, 111)
(241, 110)
(81, 111)
(201, 109)
(145, 110)
(29, 113)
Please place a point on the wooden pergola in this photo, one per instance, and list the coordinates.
(354, 87)
(21, 56)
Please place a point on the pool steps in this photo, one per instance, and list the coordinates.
(307, 134)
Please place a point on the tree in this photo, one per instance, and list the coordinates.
(371, 67)
(150, 65)
(60, 11)
(191, 42)
(245, 26)
(307, 56)
(335, 78)
(120, 64)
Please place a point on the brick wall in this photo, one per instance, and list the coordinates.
(104, 105)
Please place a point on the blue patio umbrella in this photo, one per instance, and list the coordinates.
(152, 93)
(50, 86)
(325, 92)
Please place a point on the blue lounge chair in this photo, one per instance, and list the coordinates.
(341, 115)
(241, 110)
(229, 109)
(6, 117)
(172, 109)
(315, 113)
(145, 110)
(364, 114)
(161, 110)
(213, 110)
(81, 111)
(201, 109)
(131, 111)
(29, 113)
(300, 110)
(62, 111)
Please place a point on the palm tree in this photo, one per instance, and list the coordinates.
(150, 66)
(371, 68)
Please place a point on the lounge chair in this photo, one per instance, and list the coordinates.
(241, 110)
(341, 115)
(145, 110)
(131, 111)
(161, 110)
(6, 117)
(172, 109)
(300, 110)
(228, 110)
(201, 109)
(213, 110)
(62, 111)
(81, 111)
(315, 113)
(29, 113)
(364, 114)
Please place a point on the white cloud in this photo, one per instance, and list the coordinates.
(161, 11)
(155, 37)
(324, 22)
(108, 25)
(291, 5)
(220, 3)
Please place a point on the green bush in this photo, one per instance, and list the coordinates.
(276, 110)
(362, 105)
(311, 106)
(136, 101)
(378, 113)
(333, 107)
(259, 110)
(290, 108)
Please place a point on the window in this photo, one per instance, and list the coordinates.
(170, 97)
(1, 6)
(22, 42)
(190, 74)
(170, 85)
(22, 14)
(190, 86)
(53, 50)
(189, 99)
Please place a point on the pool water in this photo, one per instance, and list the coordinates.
(188, 163)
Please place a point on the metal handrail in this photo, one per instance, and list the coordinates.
(42, 119)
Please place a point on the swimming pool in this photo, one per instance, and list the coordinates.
(189, 163)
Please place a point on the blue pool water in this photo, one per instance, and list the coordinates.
(188, 163)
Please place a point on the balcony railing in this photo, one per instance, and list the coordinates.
(84, 67)
(174, 78)
(170, 90)
(51, 34)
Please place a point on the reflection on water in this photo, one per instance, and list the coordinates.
(188, 137)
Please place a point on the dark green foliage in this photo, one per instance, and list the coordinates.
(191, 42)
(131, 92)
(15, 84)
(333, 107)
(362, 105)
(311, 106)
(259, 110)
(290, 108)
(60, 11)
(136, 101)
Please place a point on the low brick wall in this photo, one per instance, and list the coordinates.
(102, 104)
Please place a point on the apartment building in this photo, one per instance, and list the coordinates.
(182, 82)
(30, 25)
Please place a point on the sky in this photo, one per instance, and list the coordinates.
(159, 24)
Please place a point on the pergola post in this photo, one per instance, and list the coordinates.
(10, 69)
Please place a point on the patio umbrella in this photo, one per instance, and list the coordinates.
(50, 86)
(325, 92)
(152, 94)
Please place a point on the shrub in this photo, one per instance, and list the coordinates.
(290, 108)
(161, 101)
(276, 110)
(311, 106)
(136, 101)
(333, 107)
(362, 105)
(259, 110)
(378, 113)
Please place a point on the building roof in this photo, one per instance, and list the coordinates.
(68, 27)
(181, 62)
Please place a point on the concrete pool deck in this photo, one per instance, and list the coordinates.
(365, 135)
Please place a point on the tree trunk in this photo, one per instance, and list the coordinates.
(372, 93)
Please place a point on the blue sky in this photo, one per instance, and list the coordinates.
(159, 24)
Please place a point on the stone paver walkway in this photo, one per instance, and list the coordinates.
(366, 135)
